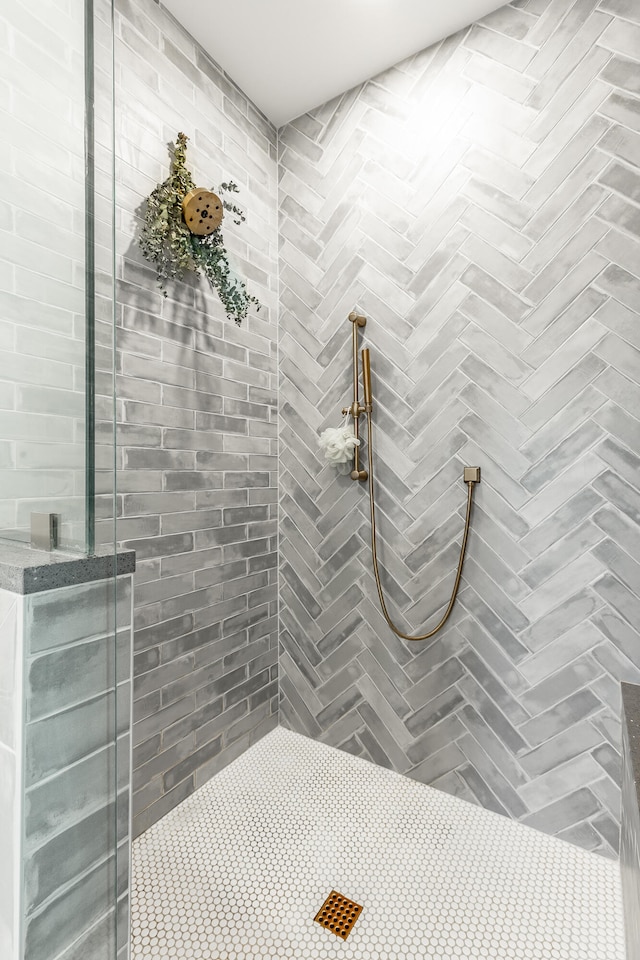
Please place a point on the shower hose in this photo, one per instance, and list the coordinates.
(374, 553)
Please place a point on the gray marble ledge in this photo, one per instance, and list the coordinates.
(631, 719)
(24, 570)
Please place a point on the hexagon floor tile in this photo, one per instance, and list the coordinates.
(240, 869)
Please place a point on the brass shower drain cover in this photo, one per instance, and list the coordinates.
(338, 914)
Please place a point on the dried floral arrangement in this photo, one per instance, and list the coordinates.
(168, 242)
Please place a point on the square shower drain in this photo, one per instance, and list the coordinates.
(338, 914)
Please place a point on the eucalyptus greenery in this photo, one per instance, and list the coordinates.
(167, 242)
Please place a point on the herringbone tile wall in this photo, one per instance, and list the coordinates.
(479, 203)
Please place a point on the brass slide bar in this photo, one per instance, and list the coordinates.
(356, 409)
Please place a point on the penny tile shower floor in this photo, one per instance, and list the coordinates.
(242, 867)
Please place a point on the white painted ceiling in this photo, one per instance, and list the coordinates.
(289, 56)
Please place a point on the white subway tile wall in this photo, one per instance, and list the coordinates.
(42, 285)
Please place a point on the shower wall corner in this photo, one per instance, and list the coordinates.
(66, 636)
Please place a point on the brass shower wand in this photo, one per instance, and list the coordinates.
(471, 476)
(366, 379)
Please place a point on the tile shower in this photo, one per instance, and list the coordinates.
(478, 202)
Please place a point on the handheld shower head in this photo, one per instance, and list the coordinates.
(366, 378)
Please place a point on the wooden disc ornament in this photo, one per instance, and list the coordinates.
(202, 211)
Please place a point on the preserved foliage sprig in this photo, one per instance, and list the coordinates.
(167, 242)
